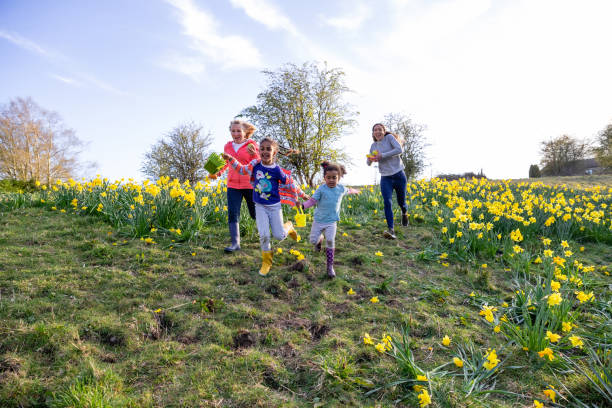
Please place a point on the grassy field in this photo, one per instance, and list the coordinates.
(604, 180)
(90, 316)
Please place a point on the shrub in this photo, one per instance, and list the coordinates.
(534, 171)
(14, 186)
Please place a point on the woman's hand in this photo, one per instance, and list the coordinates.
(227, 156)
(251, 149)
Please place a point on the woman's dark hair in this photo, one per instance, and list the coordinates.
(327, 166)
(399, 139)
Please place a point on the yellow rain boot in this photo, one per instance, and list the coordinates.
(266, 262)
(290, 230)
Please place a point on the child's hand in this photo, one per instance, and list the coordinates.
(212, 176)
(251, 149)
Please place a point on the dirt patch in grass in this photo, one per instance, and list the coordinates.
(8, 365)
(244, 339)
(318, 330)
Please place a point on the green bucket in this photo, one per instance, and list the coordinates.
(214, 163)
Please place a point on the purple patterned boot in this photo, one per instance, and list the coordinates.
(330, 262)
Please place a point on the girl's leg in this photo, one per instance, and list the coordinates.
(386, 188)
(330, 240)
(399, 186)
(263, 227)
(275, 214)
(330, 235)
(234, 200)
(315, 235)
(280, 230)
(247, 193)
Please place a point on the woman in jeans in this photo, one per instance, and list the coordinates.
(386, 150)
(239, 187)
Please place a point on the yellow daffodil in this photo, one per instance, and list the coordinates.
(550, 393)
(492, 360)
(584, 297)
(552, 337)
(576, 341)
(547, 352)
(554, 299)
(424, 399)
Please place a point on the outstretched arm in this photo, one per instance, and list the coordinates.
(241, 168)
(309, 203)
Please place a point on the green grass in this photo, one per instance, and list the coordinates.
(89, 318)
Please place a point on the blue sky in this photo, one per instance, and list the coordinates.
(489, 79)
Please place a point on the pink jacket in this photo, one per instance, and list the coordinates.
(234, 178)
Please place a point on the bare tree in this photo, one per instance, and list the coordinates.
(603, 148)
(413, 144)
(560, 152)
(35, 144)
(181, 154)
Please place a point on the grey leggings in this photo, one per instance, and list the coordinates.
(266, 217)
(328, 229)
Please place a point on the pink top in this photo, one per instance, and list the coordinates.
(234, 178)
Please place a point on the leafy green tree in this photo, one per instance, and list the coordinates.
(560, 152)
(603, 149)
(413, 142)
(302, 108)
(180, 154)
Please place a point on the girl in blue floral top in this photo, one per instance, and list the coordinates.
(266, 176)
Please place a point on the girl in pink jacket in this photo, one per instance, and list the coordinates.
(239, 187)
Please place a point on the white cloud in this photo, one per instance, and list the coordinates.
(265, 13)
(26, 44)
(100, 84)
(58, 59)
(66, 80)
(492, 80)
(192, 67)
(230, 51)
(351, 21)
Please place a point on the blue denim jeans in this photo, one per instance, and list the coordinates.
(234, 201)
(398, 183)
